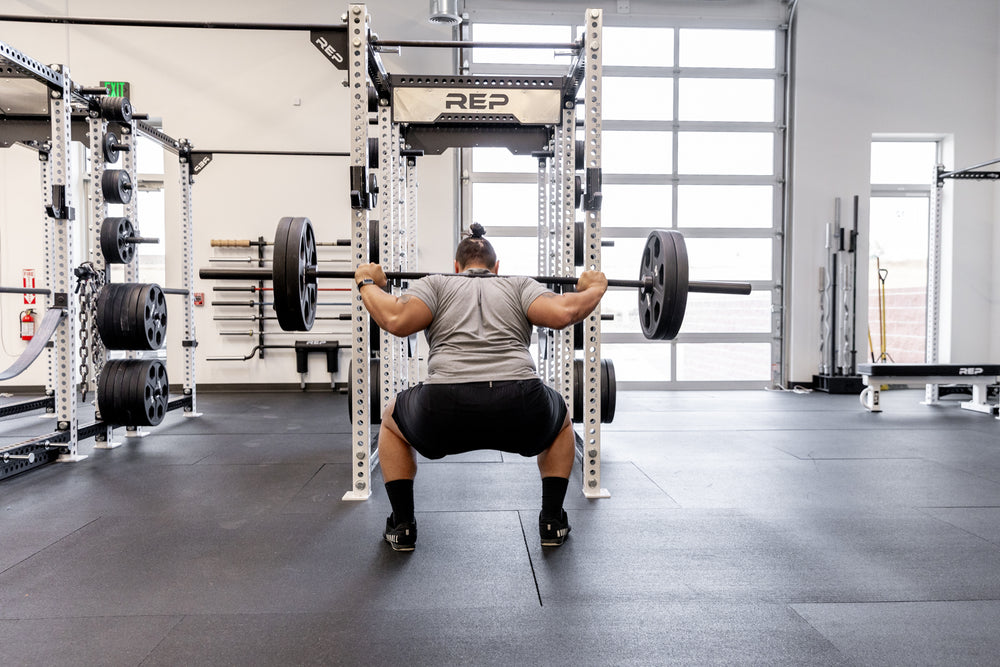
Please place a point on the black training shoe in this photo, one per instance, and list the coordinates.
(401, 537)
(553, 531)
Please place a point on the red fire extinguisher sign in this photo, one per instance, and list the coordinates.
(28, 278)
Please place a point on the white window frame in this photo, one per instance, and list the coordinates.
(777, 128)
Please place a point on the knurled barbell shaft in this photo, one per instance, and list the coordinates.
(312, 274)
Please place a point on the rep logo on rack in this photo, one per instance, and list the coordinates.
(476, 101)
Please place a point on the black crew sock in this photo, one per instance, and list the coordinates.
(553, 494)
(400, 492)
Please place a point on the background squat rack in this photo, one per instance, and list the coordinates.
(46, 111)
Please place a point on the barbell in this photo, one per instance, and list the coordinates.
(662, 286)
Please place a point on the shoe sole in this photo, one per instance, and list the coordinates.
(558, 542)
(400, 547)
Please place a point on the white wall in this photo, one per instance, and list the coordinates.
(223, 90)
(902, 67)
(863, 67)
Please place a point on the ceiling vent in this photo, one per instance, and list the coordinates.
(444, 12)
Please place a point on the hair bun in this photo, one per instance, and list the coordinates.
(476, 231)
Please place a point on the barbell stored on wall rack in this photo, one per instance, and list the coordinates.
(47, 292)
(343, 317)
(250, 260)
(663, 283)
(373, 242)
(253, 304)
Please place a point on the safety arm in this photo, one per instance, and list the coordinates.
(399, 315)
(558, 311)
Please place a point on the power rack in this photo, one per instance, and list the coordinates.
(45, 111)
(416, 115)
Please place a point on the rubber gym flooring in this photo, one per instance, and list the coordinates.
(763, 528)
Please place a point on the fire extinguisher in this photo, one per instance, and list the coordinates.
(27, 324)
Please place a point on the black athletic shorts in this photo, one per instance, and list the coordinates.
(517, 416)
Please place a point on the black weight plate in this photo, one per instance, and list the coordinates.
(578, 336)
(150, 318)
(372, 98)
(129, 318)
(294, 252)
(278, 269)
(609, 391)
(117, 109)
(375, 386)
(115, 233)
(116, 185)
(118, 388)
(151, 393)
(577, 191)
(160, 387)
(374, 336)
(580, 155)
(662, 305)
(102, 310)
(108, 311)
(373, 241)
(373, 152)
(121, 294)
(105, 395)
(132, 408)
(578, 243)
(108, 147)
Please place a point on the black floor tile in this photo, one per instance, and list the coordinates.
(276, 564)
(910, 633)
(104, 640)
(981, 521)
(23, 538)
(820, 483)
(681, 555)
(609, 633)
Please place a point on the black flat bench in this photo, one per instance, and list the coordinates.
(979, 376)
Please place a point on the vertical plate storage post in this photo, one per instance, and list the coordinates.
(60, 201)
(184, 180)
(411, 255)
(931, 393)
(129, 159)
(358, 383)
(97, 128)
(591, 93)
(129, 164)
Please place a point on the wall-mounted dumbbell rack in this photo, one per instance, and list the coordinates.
(46, 112)
(428, 124)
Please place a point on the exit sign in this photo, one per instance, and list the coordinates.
(117, 88)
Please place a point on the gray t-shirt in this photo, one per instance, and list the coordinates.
(480, 329)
